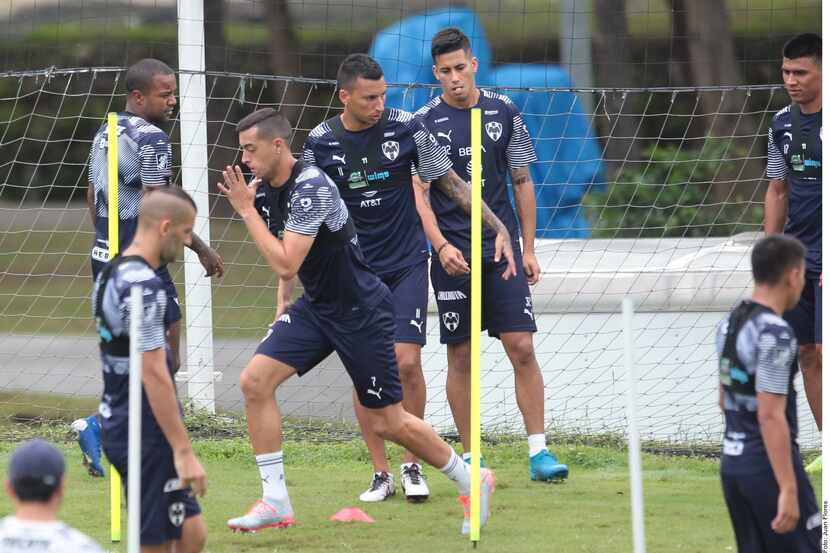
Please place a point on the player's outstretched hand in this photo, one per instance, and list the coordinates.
(505, 248)
(788, 512)
(190, 471)
(239, 193)
(453, 260)
(212, 262)
(531, 267)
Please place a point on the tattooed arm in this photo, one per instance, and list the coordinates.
(458, 190)
(526, 206)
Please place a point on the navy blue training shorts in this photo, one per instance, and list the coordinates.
(507, 305)
(410, 295)
(365, 343)
(805, 318)
(173, 313)
(164, 507)
(753, 504)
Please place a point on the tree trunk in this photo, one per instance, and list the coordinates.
(714, 62)
(285, 61)
(615, 70)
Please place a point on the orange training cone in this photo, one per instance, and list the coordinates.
(351, 514)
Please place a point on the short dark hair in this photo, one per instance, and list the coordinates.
(269, 124)
(773, 256)
(28, 489)
(449, 40)
(806, 45)
(176, 192)
(140, 75)
(358, 66)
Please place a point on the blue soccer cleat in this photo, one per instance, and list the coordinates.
(546, 467)
(88, 432)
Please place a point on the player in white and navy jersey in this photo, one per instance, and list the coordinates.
(169, 512)
(371, 153)
(770, 499)
(793, 200)
(507, 303)
(145, 159)
(36, 487)
(301, 226)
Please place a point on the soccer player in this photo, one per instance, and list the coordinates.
(36, 486)
(88, 431)
(170, 471)
(793, 200)
(303, 229)
(144, 163)
(370, 154)
(507, 304)
(770, 500)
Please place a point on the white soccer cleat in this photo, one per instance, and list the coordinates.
(382, 486)
(488, 487)
(414, 483)
(263, 515)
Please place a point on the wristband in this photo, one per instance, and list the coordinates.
(438, 251)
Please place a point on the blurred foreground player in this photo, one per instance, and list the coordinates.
(170, 516)
(36, 486)
(770, 499)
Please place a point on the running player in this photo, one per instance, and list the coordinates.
(305, 231)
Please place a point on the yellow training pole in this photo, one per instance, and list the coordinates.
(475, 327)
(112, 237)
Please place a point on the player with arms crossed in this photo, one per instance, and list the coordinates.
(507, 304)
(370, 153)
(793, 200)
(170, 515)
(145, 159)
(36, 487)
(770, 499)
(307, 232)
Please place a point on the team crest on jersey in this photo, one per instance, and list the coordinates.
(391, 149)
(162, 161)
(176, 513)
(305, 203)
(493, 129)
(451, 320)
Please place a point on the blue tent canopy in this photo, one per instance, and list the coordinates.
(569, 153)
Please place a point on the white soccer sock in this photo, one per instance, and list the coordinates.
(459, 472)
(466, 456)
(272, 474)
(536, 443)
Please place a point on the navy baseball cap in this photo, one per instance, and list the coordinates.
(37, 460)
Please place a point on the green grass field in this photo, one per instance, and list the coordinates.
(590, 513)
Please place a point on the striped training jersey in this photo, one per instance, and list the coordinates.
(804, 212)
(766, 346)
(144, 160)
(377, 188)
(336, 279)
(505, 145)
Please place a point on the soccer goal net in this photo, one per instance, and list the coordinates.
(652, 194)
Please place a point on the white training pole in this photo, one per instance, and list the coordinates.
(198, 362)
(134, 440)
(634, 464)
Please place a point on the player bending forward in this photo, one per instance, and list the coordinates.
(345, 308)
